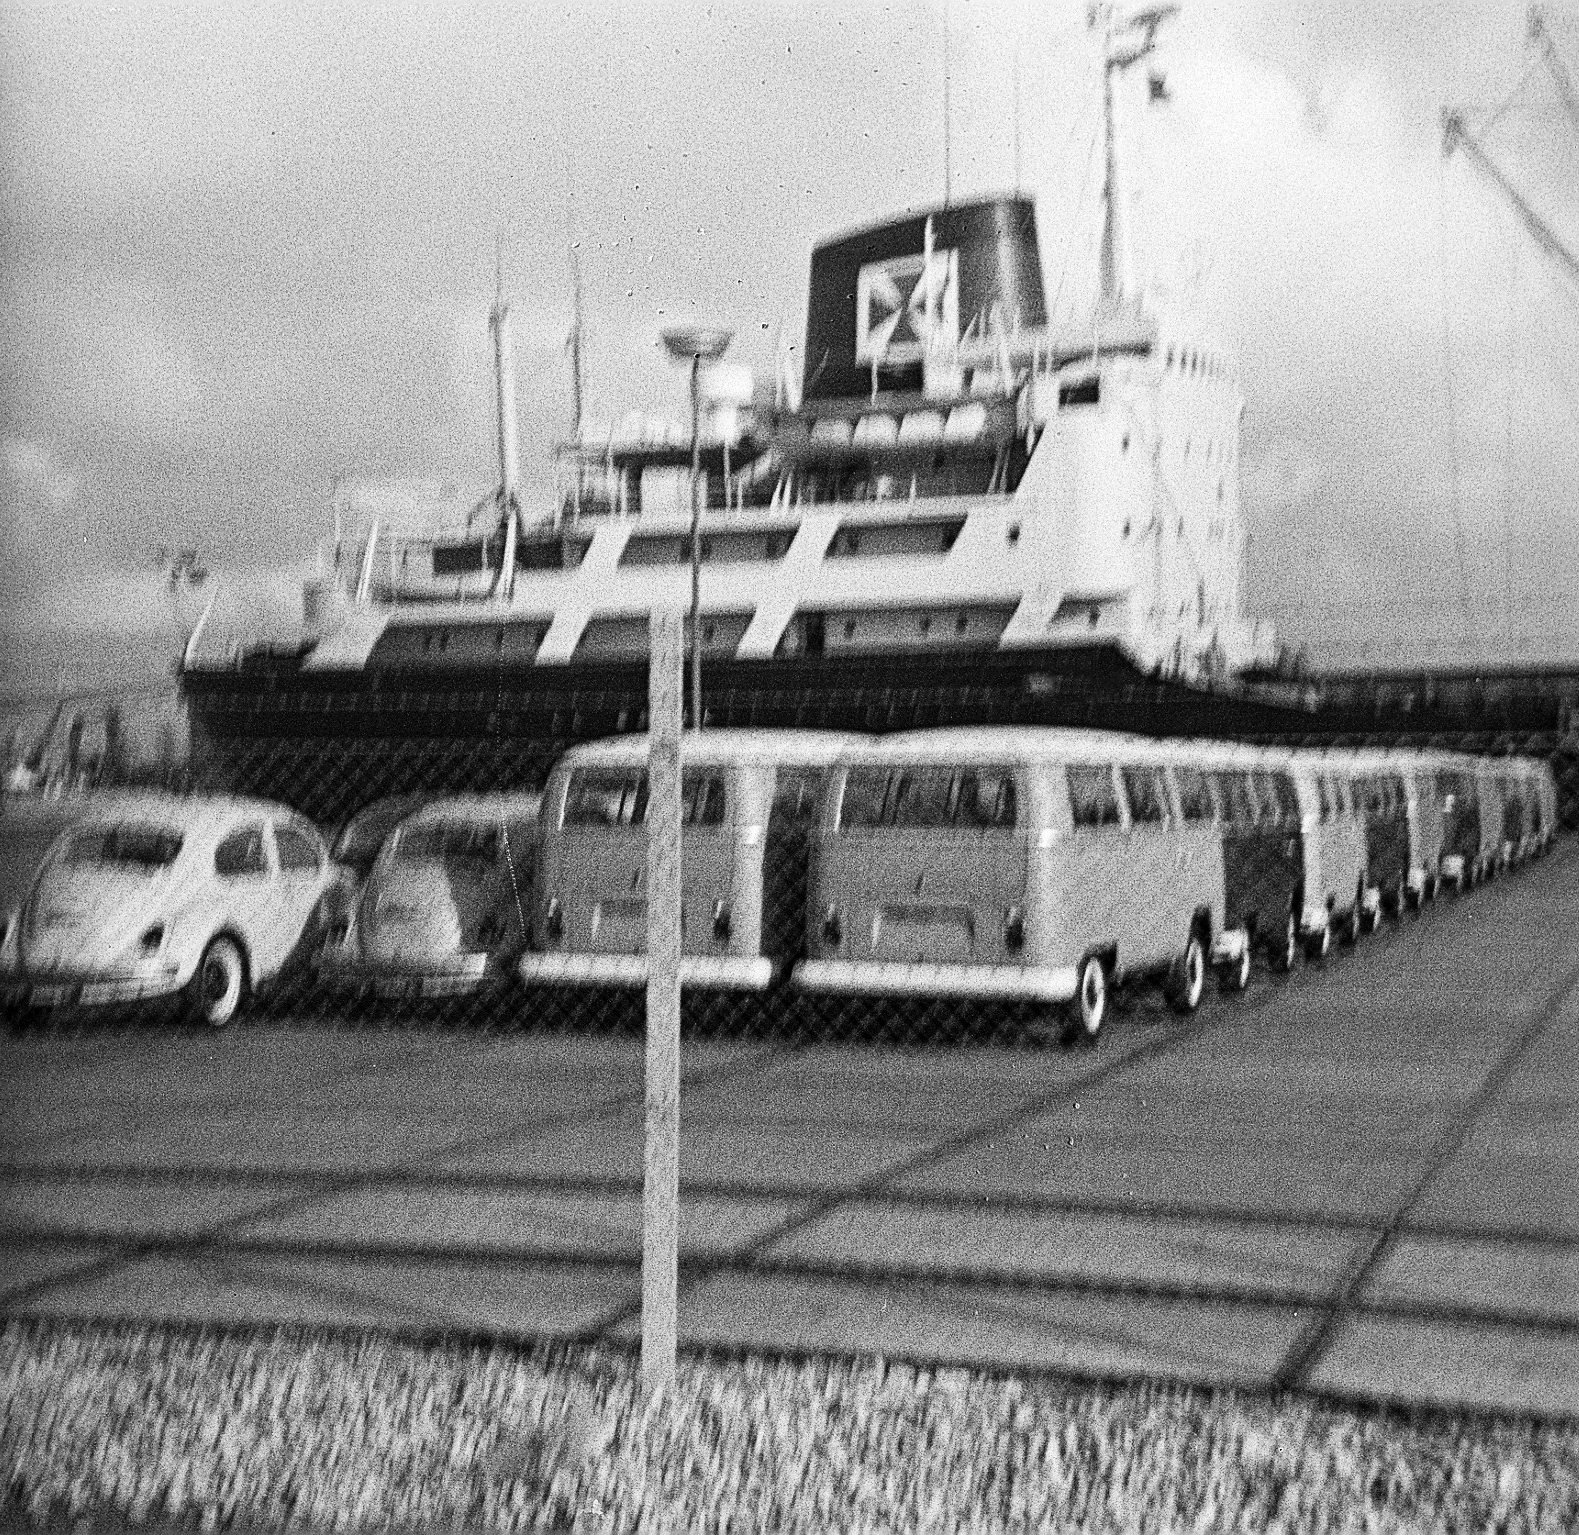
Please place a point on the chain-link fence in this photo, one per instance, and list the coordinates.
(493, 885)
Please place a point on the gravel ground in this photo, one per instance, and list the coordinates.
(122, 1426)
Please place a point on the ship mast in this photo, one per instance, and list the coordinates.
(504, 395)
(1127, 39)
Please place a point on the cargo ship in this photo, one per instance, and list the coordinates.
(960, 514)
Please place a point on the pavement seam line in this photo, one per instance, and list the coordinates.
(1308, 1345)
(213, 1237)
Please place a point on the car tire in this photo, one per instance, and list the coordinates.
(1234, 977)
(1319, 945)
(1088, 1010)
(1286, 955)
(1187, 977)
(1353, 925)
(218, 989)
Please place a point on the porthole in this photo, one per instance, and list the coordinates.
(709, 631)
(926, 625)
(1126, 442)
(849, 628)
(1013, 535)
(961, 624)
(498, 640)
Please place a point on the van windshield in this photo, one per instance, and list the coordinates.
(448, 842)
(611, 797)
(128, 845)
(980, 798)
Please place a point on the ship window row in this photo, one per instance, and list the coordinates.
(1195, 364)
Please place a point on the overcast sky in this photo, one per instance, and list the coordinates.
(248, 249)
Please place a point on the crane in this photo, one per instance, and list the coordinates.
(1456, 135)
(1540, 35)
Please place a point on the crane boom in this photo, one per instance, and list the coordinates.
(1456, 136)
(1540, 35)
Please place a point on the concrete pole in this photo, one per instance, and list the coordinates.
(661, 1187)
(696, 543)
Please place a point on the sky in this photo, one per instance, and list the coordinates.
(249, 251)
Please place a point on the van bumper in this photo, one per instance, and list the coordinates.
(1028, 983)
(703, 972)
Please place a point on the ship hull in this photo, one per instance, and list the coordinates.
(329, 742)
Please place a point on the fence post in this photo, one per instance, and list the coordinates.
(661, 1192)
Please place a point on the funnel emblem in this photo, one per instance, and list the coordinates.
(906, 306)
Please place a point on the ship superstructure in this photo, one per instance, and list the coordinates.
(973, 511)
(955, 475)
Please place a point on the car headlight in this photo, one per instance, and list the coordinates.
(153, 938)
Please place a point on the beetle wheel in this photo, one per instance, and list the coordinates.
(219, 986)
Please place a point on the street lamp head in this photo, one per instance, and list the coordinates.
(697, 343)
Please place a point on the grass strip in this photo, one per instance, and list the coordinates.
(105, 1426)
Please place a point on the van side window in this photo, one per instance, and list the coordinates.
(1238, 798)
(864, 792)
(922, 797)
(985, 798)
(1195, 794)
(241, 853)
(1147, 795)
(606, 797)
(1093, 800)
(796, 795)
(701, 799)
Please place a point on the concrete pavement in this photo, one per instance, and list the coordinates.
(1363, 1180)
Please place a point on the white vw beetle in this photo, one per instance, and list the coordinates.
(146, 896)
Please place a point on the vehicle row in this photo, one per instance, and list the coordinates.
(1018, 864)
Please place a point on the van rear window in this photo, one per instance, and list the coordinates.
(1093, 799)
(983, 798)
(1195, 794)
(1147, 795)
(1238, 798)
(611, 797)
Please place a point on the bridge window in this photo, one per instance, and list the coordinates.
(1083, 391)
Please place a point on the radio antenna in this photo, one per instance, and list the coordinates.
(948, 181)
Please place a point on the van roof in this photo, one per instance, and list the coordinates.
(1036, 743)
(478, 807)
(723, 747)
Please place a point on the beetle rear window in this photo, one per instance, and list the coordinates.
(139, 846)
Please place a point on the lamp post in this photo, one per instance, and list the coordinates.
(696, 345)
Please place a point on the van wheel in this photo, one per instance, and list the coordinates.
(1187, 977)
(1319, 945)
(1088, 1011)
(1286, 955)
(218, 989)
(1235, 976)
(1353, 925)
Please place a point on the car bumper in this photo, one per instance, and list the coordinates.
(703, 972)
(87, 988)
(460, 976)
(1020, 983)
